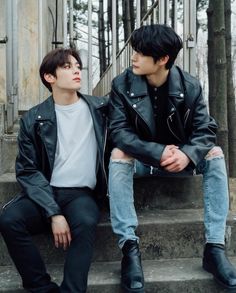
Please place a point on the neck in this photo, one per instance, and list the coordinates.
(65, 98)
(159, 78)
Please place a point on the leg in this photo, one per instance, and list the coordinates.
(216, 205)
(216, 196)
(124, 219)
(123, 215)
(18, 221)
(82, 214)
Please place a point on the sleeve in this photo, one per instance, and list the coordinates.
(28, 174)
(203, 135)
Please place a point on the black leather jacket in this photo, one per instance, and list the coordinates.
(37, 142)
(132, 127)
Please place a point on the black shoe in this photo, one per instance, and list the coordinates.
(132, 279)
(216, 262)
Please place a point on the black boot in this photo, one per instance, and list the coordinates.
(132, 279)
(216, 262)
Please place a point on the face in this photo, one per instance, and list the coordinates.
(145, 65)
(68, 77)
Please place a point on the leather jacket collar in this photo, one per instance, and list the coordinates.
(176, 88)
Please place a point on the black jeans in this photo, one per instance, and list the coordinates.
(23, 218)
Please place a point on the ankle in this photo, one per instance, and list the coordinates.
(130, 247)
(214, 245)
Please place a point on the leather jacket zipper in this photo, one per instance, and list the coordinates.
(186, 116)
(14, 199)
(136, 121)
(168, 123)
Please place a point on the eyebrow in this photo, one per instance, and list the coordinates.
(68, 62)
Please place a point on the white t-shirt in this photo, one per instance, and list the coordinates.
(76, 150)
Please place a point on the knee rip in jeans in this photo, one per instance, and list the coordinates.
(215, 152)
(122, 161)
(119, 156)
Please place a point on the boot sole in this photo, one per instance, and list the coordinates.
(231, 289)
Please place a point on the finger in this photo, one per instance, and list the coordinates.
(56, 241)
(167, 162)
(172, 146)
(69, 237)
(61, 242)
(171, 167)
(65, 241)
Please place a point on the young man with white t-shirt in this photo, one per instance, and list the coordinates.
(60, 167)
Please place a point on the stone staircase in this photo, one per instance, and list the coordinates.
(170, 228)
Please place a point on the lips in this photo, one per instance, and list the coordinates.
(76, 79)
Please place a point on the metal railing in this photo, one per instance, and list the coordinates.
(159, 12)
(124, 56)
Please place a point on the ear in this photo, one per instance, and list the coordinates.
(49, 78)
(164, 60)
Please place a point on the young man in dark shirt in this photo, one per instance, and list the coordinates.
(61, 171)
(159, 123)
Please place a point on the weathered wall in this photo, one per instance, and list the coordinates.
(30, 48)
(2, 53)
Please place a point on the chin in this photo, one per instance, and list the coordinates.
(136, 71)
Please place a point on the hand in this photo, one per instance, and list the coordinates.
(167, 153)
(175, 162)
(61, 231)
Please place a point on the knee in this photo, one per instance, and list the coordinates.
(118, 154)
(215, 152)
(86, 226)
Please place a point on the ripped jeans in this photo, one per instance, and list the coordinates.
(215, 191)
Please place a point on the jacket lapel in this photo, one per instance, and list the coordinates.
(96, 107)
(140, 101)
(47, 128)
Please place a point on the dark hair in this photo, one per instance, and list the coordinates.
(157, 40)
(54, 59)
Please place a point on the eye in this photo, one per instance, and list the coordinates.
(66, 66)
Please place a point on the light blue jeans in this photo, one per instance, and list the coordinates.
(215, 191)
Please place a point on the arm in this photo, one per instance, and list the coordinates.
(37, 187)
(124, 136)
(202, 137)
(29, 174)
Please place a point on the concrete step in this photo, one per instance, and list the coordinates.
(163, 234)
(8, 151)
(150, 192)
(162, 276)
(154, 192)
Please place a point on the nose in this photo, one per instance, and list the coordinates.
(76, 70)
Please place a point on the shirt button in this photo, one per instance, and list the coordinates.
(155, 97)
(155, 89)
(181, 95)
(134, 106)
(132, 94)
(41, 123)
(39, 116)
